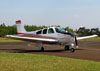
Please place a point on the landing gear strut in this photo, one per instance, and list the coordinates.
(42, 49)
(67, 47)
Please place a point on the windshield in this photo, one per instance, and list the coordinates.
(60, 30)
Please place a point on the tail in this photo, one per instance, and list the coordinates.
(20, 27)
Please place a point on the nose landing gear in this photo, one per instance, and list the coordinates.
(72, 49)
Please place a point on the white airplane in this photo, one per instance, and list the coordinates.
(51, 35)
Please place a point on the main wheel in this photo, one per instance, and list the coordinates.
(72, 50)
(67, 47)
(42, 49)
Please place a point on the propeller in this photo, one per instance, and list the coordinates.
(76, 42)
(73, 35)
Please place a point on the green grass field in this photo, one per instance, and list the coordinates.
(9, 40)
(31, 62)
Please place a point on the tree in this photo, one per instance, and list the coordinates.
(68, 29)
(95, 31)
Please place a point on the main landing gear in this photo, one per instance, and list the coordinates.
(40, 46)
(67, 47)
(42, 49)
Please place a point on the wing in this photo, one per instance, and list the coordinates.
(33, 39)
(85, 37)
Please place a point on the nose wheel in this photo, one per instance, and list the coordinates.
(67, 47)
(72, 50)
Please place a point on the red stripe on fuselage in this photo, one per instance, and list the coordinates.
(38, 36)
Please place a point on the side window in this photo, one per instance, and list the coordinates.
(50, 30)
(45, 31)
(39, 32)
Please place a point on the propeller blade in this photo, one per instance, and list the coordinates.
(76, 42)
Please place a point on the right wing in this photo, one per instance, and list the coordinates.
(33, 39)
(85, 37)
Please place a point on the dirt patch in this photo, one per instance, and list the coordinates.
(88, 50)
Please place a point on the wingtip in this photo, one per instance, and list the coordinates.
(8, 35)
(95, 35)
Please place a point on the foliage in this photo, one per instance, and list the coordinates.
(68, 29)
(82, 31)
(11, 30)
(9, 40)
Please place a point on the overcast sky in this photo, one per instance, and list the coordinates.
(72, 13)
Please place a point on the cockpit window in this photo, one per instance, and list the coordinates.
(39, 32)
(45, 31)
(59, 30)
(50, 30)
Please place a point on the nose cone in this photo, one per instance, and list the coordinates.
(73, 34)
(69, 33)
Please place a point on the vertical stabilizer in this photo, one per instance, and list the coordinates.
(20, 27)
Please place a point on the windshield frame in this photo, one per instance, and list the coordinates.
(60, 30)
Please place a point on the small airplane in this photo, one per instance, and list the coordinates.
(51, 35)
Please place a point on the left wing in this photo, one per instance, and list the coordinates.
(33, 39)
(85, 37)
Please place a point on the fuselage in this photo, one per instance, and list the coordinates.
(57, 33)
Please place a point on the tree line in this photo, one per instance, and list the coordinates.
(11, 30)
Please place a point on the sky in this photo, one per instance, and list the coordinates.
(66, 13)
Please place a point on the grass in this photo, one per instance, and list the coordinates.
(31, 62)
(95, 38)
(9, 40)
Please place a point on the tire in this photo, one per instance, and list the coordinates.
(42, 49)
(72, 50)
(67, 47)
